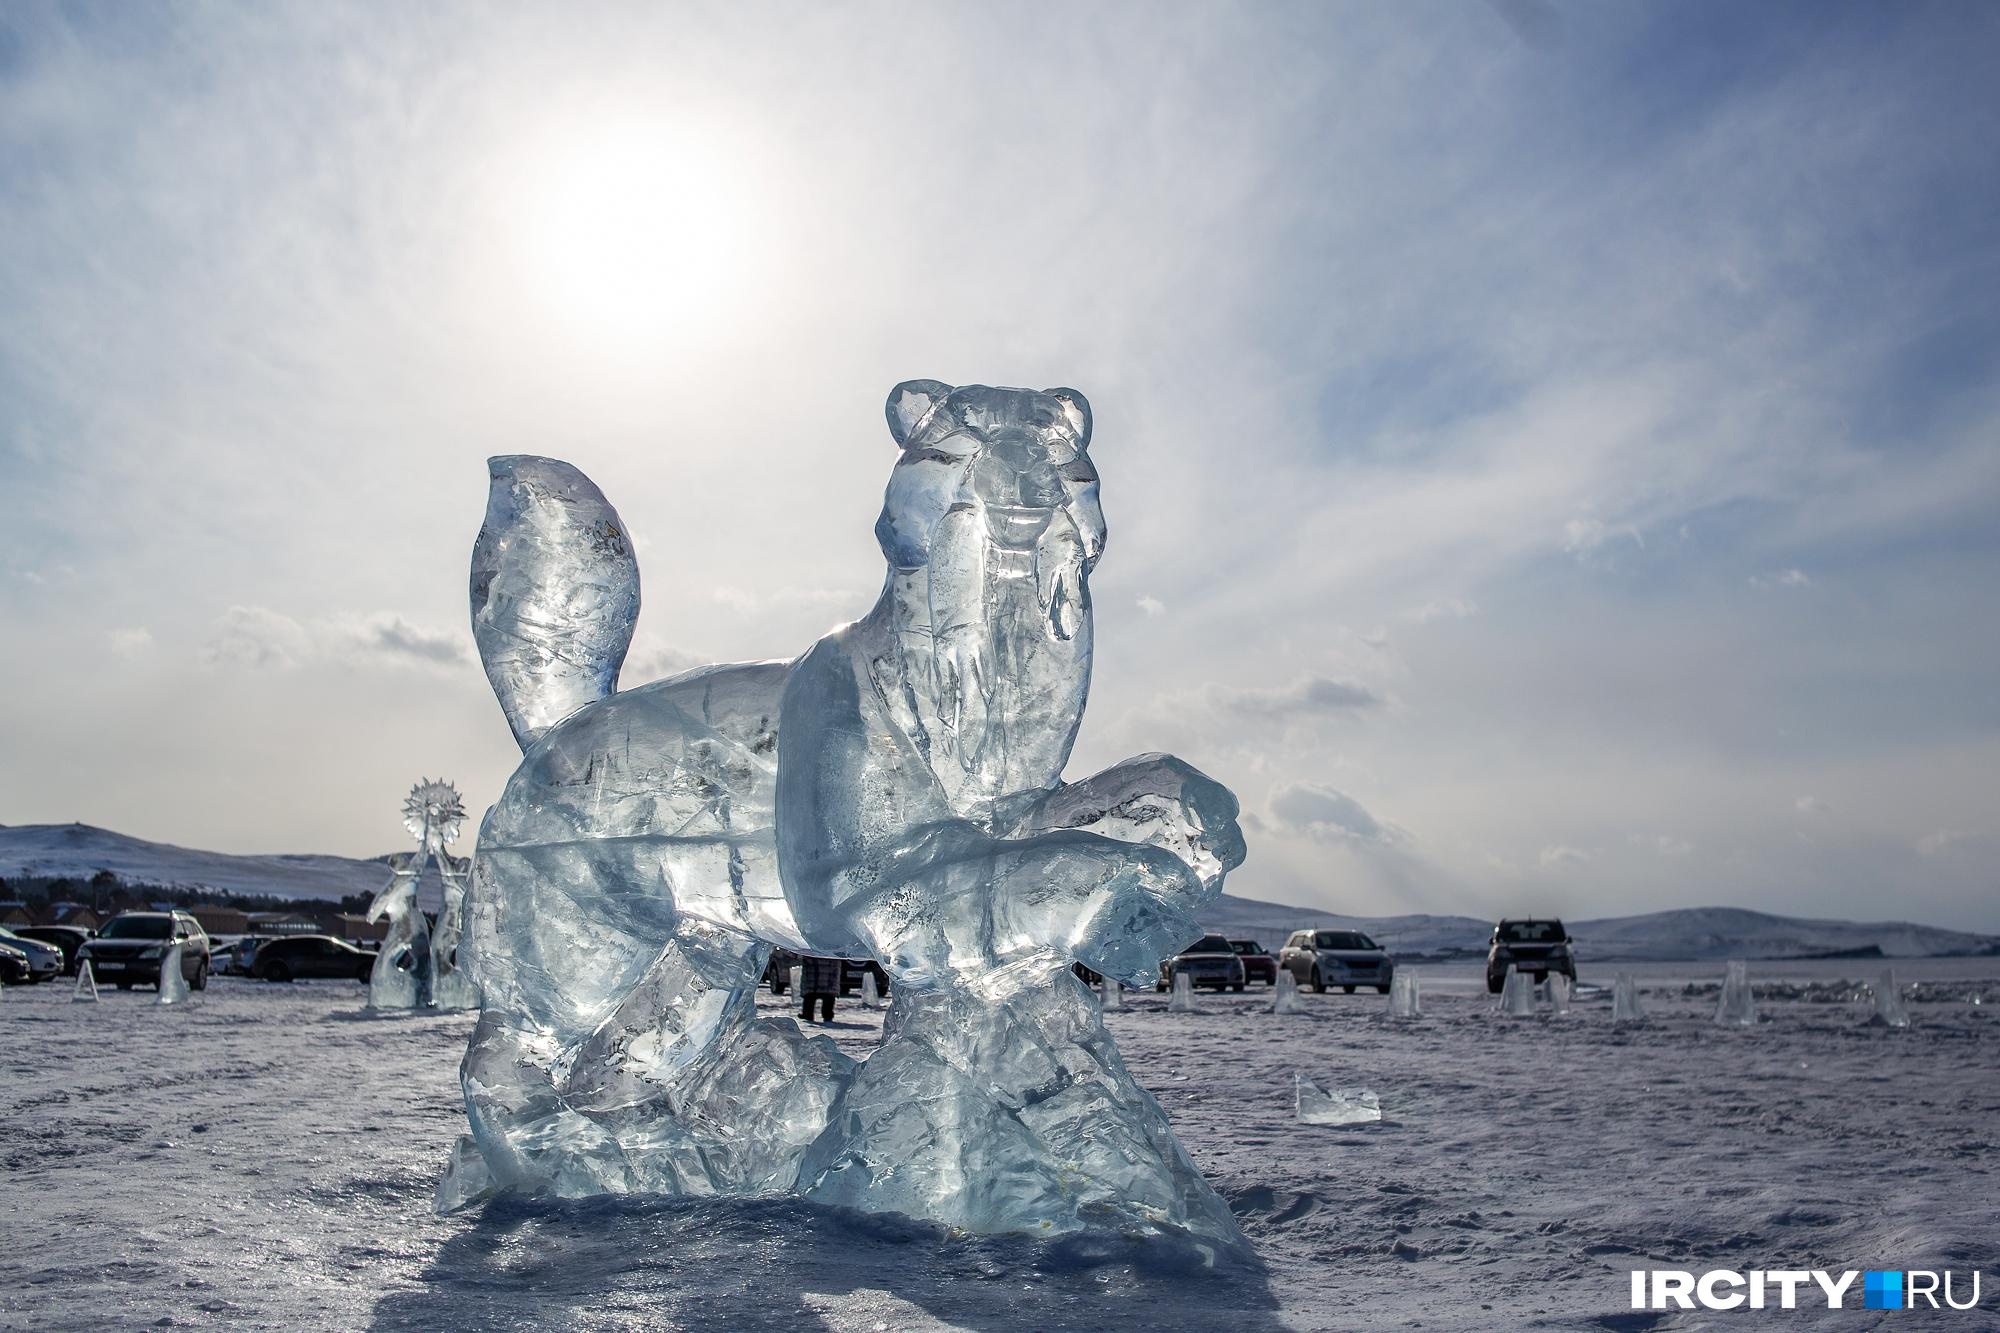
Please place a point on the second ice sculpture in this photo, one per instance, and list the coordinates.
(893, 793)
(417, 964)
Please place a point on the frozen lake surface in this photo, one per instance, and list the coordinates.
(264, 1159)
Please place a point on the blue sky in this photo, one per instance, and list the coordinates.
(1550, 450)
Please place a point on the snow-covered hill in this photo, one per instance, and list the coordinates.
(80, 850)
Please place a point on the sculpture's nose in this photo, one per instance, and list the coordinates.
(1015, 469)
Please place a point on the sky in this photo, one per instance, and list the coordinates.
(1551, 451)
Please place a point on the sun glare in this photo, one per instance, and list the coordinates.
(637, 235)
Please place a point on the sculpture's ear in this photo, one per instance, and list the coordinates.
(910, 405)
(1077, 408)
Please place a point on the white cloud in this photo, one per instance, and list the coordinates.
(1783, 578)
(256, 636)
(260, 638)
(1811, 805)
(1441, 608)
(131, 642)
(1325, 814)
(1559, 855)
(1151, 605)
(1934, 844)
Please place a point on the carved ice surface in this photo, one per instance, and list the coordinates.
(1403, 1001)
(401, 978)
(1182, 999)
(1110, 995)
(173, 986)
(1288, 1000)
(1737, 1007)
(1341, 1106)
(1625, 1005)
(1889, 1010)
(894, 793)
(1557, 987)
(1517, 994)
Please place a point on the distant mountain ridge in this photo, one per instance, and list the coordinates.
(1682, 934)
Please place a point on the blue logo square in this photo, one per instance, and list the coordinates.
(1882, 1291)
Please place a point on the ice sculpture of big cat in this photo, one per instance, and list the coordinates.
(893, 793)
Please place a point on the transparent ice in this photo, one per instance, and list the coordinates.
(871, 998)
(1403, 1001)
(1738, 1007)
(401, 978)
(1287, 1000)
(1517, 994)
(1625, 1006)
(1559, 993)
(1889, 1009)
(1181, 1001)
(86, 984)
(895, 792)
(173, 986)
(1110, 995)
(1341, 1106)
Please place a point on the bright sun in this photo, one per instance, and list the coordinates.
(636, 235)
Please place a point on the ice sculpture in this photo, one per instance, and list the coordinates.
(1403, 1001)
(1738, 1007)
(1517, 994)
(1182, 999)
(1110, 995)
(173, 986)
(1287, 1000)
(1625, 1006)
(401, 977)
(1557, 988)
(432, 812)
(86, 984)
(893, 793)
(1342, 1106)
(871, 998)
(1889, 1010)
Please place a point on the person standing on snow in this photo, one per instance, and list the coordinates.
(819, 979)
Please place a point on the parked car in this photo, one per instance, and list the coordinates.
(1209, 961)
(1258, 965)
(301, 957)
(1344, 958)
(128, 950)
(240, 958)
(14, 970)
(1537, 946)
(70, 939)
(778, 971)
(852, 971)
(44, 960)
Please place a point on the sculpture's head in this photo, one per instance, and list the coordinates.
(991, 526)
(1015, 458)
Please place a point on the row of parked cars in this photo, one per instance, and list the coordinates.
(130, 948)
(1349, 959)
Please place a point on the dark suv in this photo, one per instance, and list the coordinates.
(1537, 946)
(1343, 958)
(129, 949)
(297, 957)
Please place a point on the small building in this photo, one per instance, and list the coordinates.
(283, 923)
(358, 929)
(14, 912)
(222, 920)
(71, 914)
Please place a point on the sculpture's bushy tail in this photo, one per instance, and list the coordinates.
(555, 592)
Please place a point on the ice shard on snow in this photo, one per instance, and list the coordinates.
(173, 985)
(1287, 1000)
(1181, 1001)
(86, 984)
(1517, 994)
(1341, 1106)
(1403, 1001)
(1557, 990)
(1738, 1007)
(1625, 1005)
(894, 793)
(871, 998)
(1110, 995)
(1889, 1010)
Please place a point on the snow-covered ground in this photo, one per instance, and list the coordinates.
(264, 1159)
